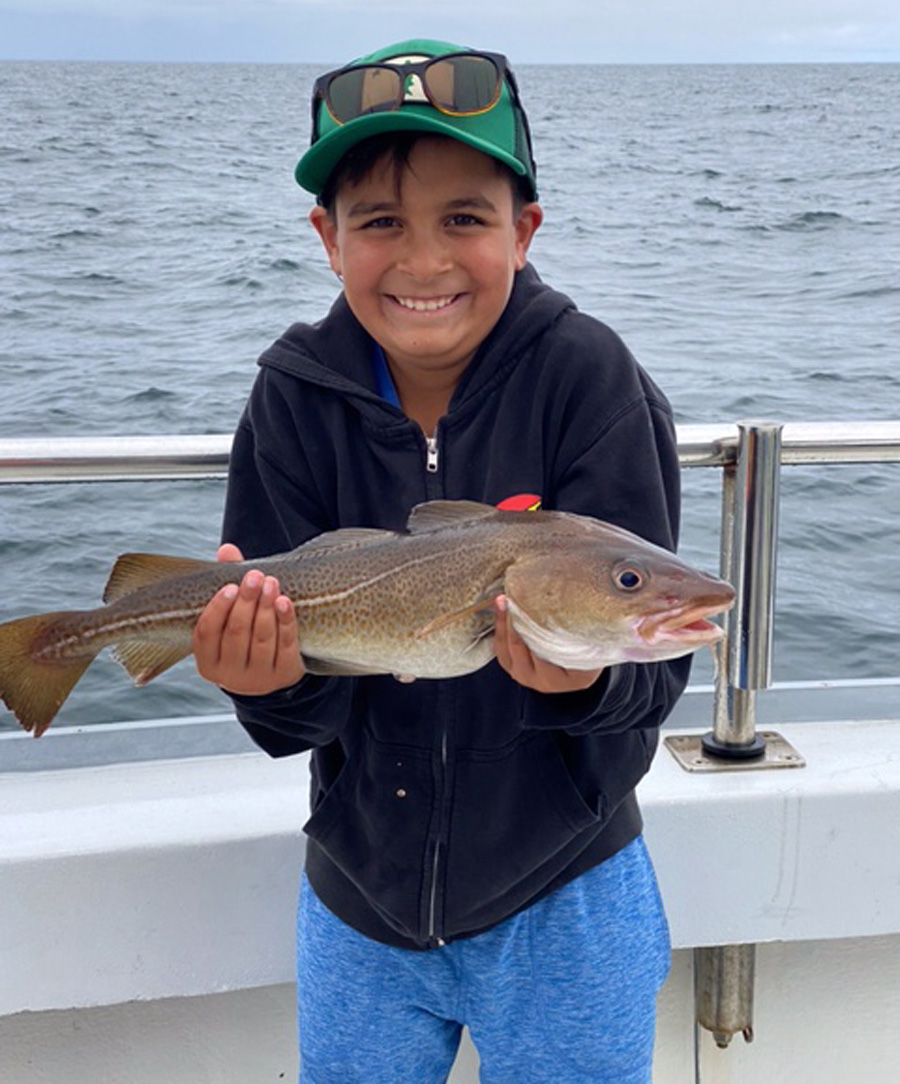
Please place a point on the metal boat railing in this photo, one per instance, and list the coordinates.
(750, 456)
(113, 458)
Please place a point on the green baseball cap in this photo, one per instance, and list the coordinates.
(500, 130)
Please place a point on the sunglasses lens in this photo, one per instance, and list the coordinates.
(364, 90)
(463, 84)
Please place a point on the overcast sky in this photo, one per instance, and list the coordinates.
(528, 31)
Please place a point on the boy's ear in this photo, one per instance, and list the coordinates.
(326, 227)
(528, 220)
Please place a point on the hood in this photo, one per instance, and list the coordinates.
(337, 352)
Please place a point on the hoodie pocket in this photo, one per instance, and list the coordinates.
(514, 809)
(373, 823)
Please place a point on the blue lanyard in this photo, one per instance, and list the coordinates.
(383, 381)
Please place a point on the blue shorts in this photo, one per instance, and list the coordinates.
(561, 993)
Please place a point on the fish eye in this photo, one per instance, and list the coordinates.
(628, 579)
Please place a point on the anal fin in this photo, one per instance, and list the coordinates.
(335, 668)
(147, 659)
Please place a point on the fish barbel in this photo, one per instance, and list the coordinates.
(582, 594)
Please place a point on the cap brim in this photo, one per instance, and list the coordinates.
(314, 168)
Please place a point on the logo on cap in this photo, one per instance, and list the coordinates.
(413, 91)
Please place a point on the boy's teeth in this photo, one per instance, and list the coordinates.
(421, 305)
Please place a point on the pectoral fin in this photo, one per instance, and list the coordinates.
(485, 601)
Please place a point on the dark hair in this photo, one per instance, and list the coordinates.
(359, 162)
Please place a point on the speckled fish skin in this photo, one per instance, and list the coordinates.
(419, 603)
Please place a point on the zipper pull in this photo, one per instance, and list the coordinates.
(431, 457)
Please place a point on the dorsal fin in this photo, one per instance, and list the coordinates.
(433, 515)
(133, 571)
(347, 538)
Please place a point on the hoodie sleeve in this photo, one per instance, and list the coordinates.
(628, 475)
(267, 511)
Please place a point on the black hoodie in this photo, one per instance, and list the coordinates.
(440, 808)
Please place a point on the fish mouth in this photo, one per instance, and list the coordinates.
(686, 624)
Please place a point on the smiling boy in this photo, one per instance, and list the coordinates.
(428, 261)
(474, 851)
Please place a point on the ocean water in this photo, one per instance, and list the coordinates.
(738, 225)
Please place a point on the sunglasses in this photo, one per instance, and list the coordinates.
(458, 85)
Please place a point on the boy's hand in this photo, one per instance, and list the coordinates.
(246, 639)
(526, 668)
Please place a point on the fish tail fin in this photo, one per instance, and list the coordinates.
(34, 689)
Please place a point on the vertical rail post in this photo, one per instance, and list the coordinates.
(724, 700)
(750, 496)
(723, 991)
(724, 974)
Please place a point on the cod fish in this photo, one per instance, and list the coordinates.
(582, 594)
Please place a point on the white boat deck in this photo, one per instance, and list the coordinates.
(147, 910)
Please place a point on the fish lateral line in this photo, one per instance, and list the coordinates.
(360, 585)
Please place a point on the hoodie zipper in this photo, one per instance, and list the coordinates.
(436, 860)
(431, 454)
(431, 467)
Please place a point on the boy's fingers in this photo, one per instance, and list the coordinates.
(246, 638)
(500, 632)
(528, 669)
(236, 634)
(263, 631)
(215, 614)
(508, 646)
(288, 660)
(522, 662)
(207, 636)
(210, 626)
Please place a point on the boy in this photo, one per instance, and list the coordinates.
(474, 851)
